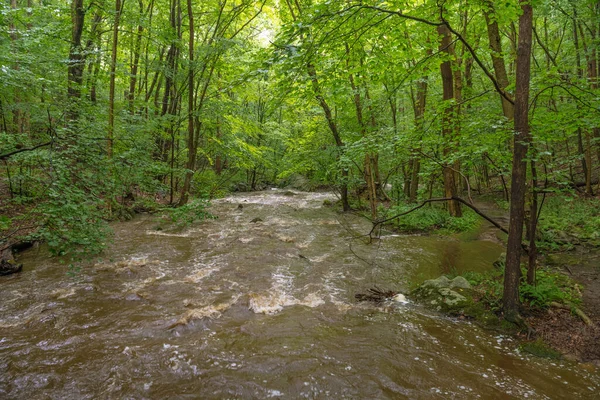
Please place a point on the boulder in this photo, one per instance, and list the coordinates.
(444, 294)
(460, 282)
(8, 267)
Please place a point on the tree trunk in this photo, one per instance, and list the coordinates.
(419, 110)
(136, 60)
(76, 62)
(312, 73)
(191, 131)
(498, 58)
(113, 67)
(512, 272)
(447, 123)
(368, 172)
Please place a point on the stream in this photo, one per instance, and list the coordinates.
(230, 308)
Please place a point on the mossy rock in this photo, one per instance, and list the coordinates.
(455, 297)
(540, 349)
(445, 295)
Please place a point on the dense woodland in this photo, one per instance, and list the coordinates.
(108, 107)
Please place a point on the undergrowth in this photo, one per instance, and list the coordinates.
(566, 221)
(550, 286)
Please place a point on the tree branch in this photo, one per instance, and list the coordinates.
(12, 153)
(456, 33)
(471, 206)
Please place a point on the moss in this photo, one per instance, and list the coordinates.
(540, 349)
(460, 302)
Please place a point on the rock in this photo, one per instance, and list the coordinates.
(400, 298)
(450, 297)
(441, 282)
(460, 282)
(133, 297)
(240, 187)
(8, 267)
(445, 295)
(500, 262)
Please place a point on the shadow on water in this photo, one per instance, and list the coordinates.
(231, 308)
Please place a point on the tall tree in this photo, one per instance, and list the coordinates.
(113, 68)
(448, 129)
(522, 138)
(76, 63)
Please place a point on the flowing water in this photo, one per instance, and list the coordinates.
(231, 308)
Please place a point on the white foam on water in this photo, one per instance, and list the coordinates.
(212, 311)
(199, 274)
(330, 285)
(169, 234)
(280, 295)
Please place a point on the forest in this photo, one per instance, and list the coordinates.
(411, 112)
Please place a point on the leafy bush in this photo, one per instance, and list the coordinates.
(73, 224)
(550, 286)
(193, 211)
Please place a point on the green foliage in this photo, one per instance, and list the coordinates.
(566, 221)
(186, 215)
(73, 224)
(208, 184)
(550, 286)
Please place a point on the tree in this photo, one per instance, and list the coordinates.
(522, 138)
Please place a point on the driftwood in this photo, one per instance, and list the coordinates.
(577, 311)
(376, 295)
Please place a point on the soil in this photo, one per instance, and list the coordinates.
(560, 328)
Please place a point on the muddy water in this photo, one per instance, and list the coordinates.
(231, 308)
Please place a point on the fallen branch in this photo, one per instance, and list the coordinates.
(471, 206)
(577, 311)
(12, 153)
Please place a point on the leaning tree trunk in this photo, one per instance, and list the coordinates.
(512, 273)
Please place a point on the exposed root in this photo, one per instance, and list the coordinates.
(577, 311)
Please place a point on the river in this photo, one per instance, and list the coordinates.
(230, 308)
